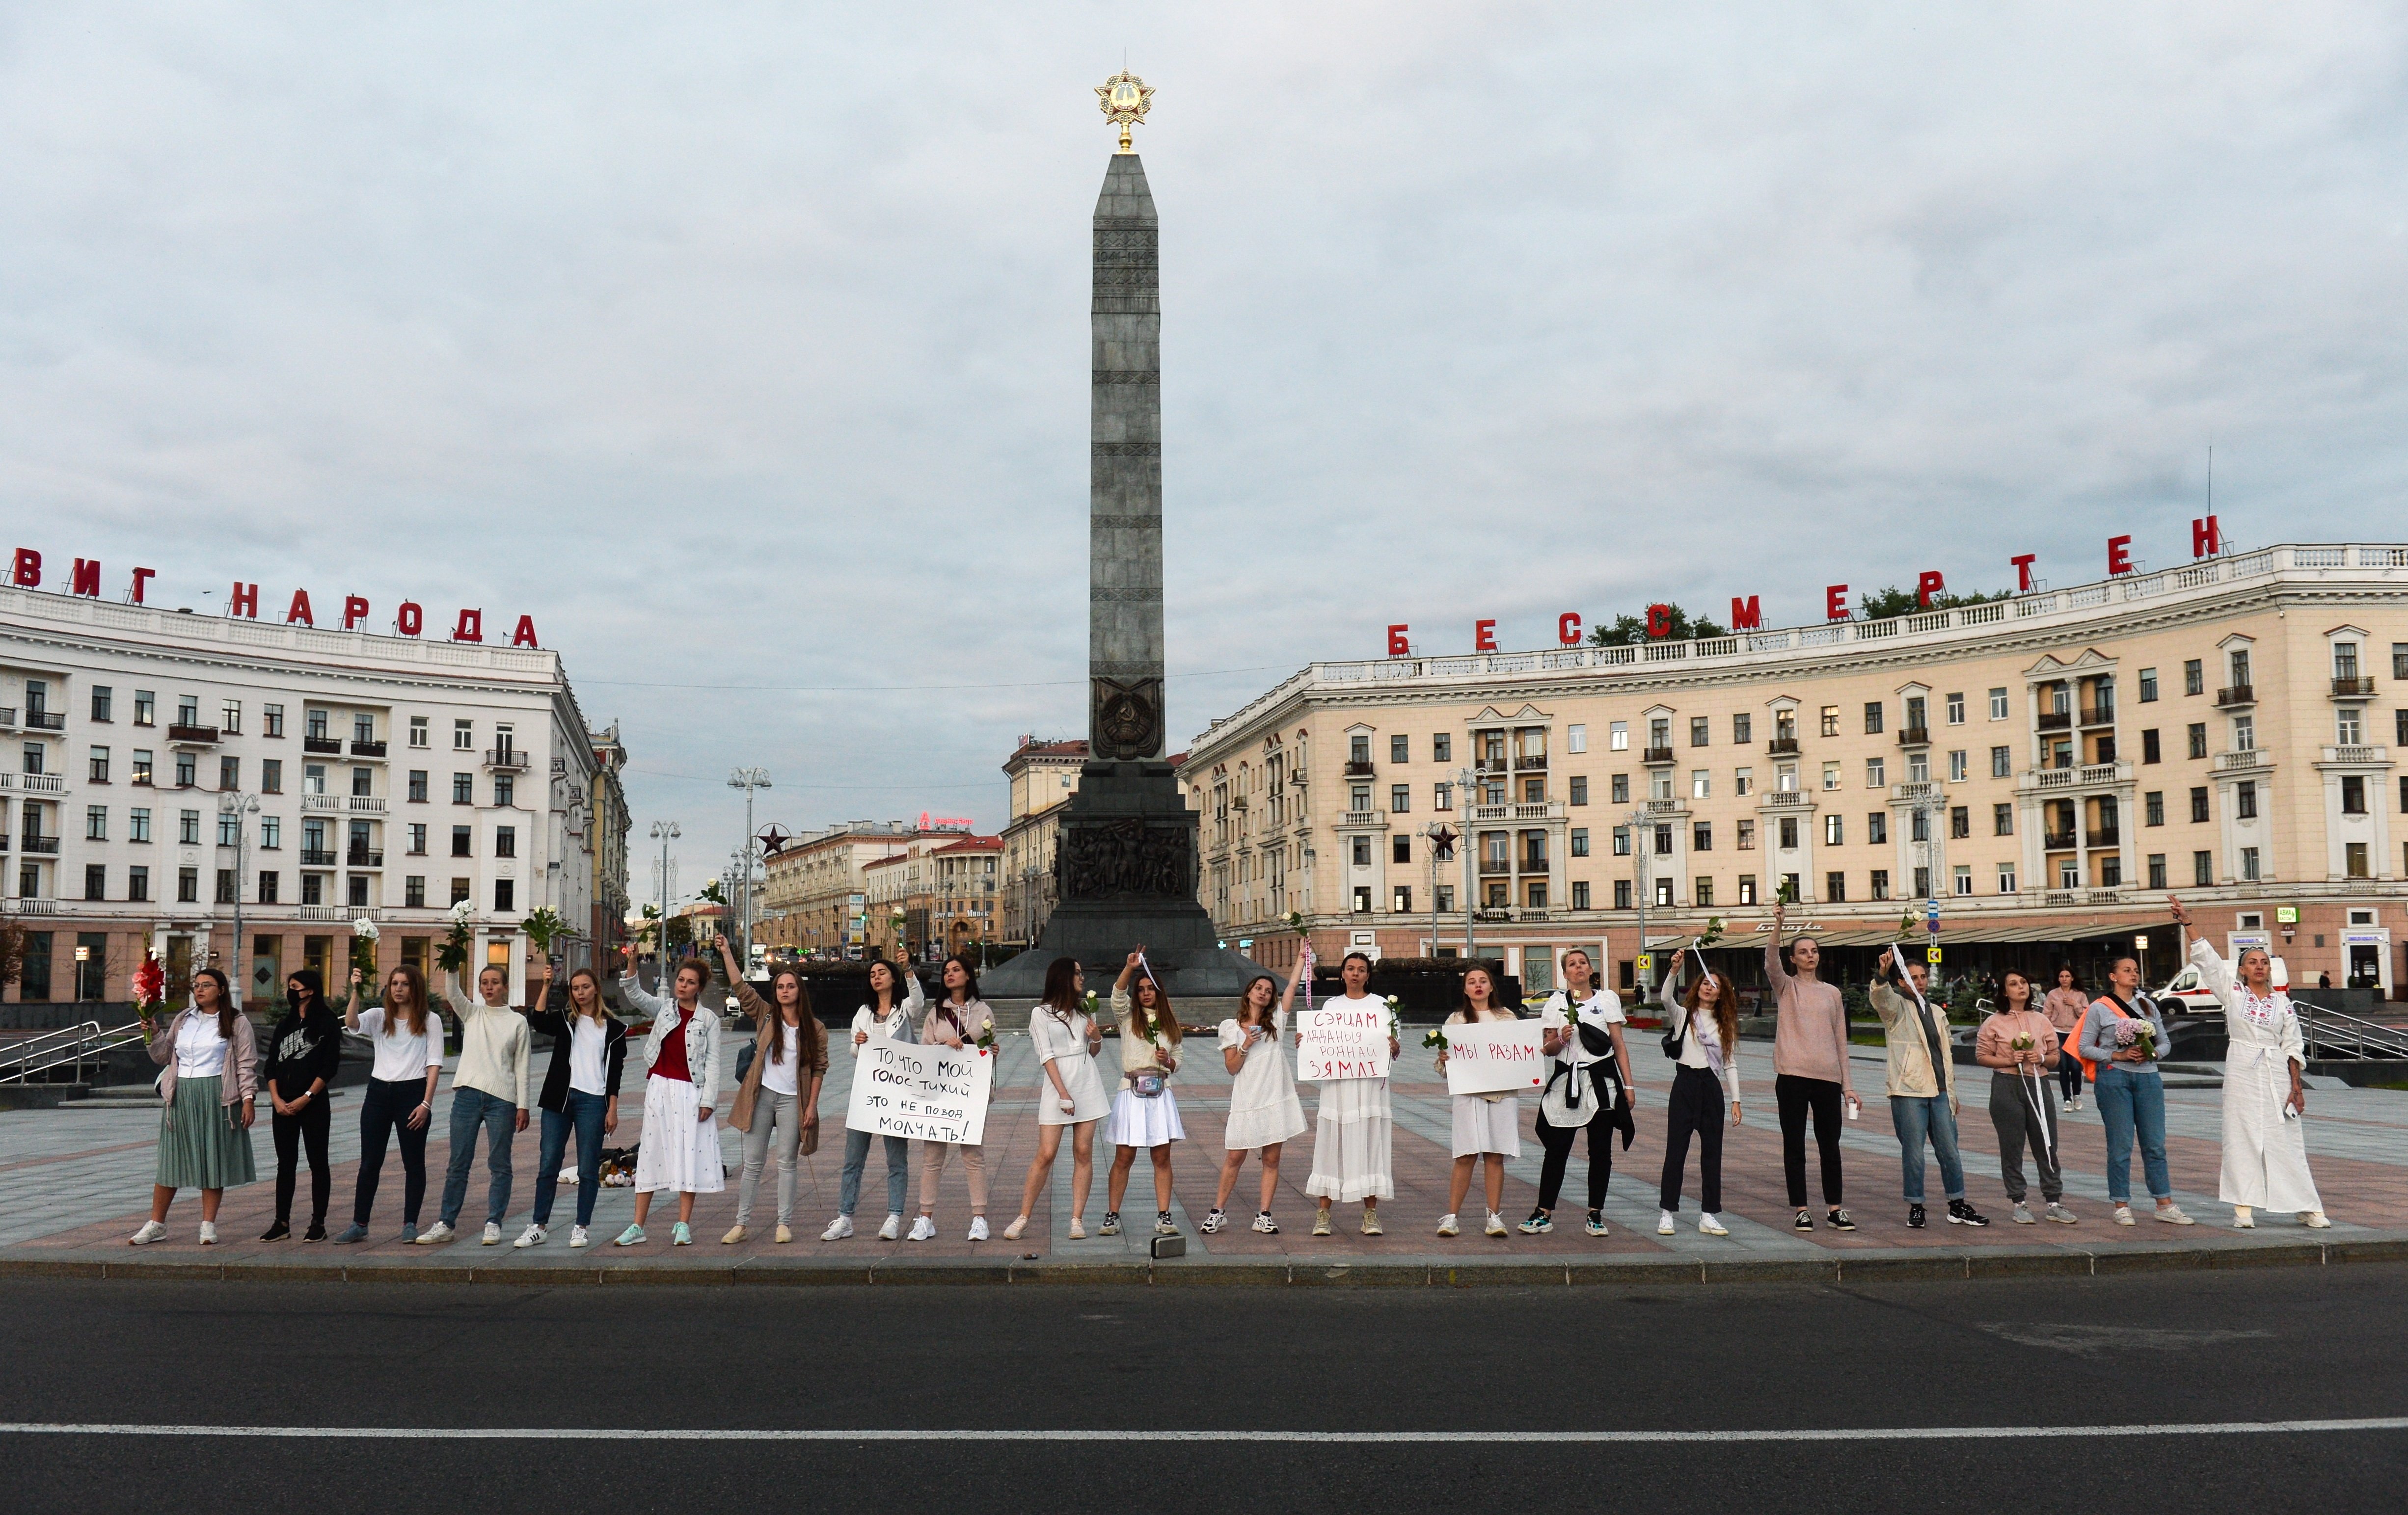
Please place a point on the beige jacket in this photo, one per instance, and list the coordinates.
(1911, 1074)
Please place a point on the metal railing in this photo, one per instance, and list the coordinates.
(74, 1045)
(2336, 1033)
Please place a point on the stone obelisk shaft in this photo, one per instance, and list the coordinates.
(1125, 713)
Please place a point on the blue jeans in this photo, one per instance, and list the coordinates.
(499, 1117)
(584, 1115)
(1915, 1116)
(856, 1157)
(2129, 1102)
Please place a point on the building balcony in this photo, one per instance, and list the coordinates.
(1495, 867)
(42, 783)
(1914, 735)
(1914, 790)
(2373, 757)
(192, 736)
(1361, 770)
(1527, 764)
(2056, 841)
(1783, 747)
(2089, 775)
(1654, 755)
(366, 749)
(368, 805)
(2352, 689)
(1361, 818)
(317, 857)
(2235, 696)
(506, 760)
(2056, 721)
(2250, 758)
(39, 846)
(2102, 838)
(1787, 799)
(322, 746)
(8, 718)
(57, 721)
(2098, 717)
(321, 803)
(364, 857)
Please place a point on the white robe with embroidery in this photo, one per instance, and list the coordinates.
(2265, 1156)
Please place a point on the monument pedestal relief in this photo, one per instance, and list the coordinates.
(1124, 867)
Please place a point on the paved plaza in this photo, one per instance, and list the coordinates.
(74, 1183)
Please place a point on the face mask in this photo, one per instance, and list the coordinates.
(294, 999)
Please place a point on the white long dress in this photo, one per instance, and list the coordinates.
(2265, 1156)
(1353, 1139)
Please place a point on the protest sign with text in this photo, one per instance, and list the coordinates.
(1343, 1038)
(929, 1093)
(1494, 1057)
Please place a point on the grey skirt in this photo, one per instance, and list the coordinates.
(200, 1145)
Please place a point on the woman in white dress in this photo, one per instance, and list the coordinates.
(1264, 1111)
(1353, 1129)
(679, 1150)
(1145, 1113)
(1486, 1126)
(1069, 1093)
(2265, 1101)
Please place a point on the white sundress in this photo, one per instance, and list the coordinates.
(1487, 1123)
(1065, 1046)
(1263, 1107)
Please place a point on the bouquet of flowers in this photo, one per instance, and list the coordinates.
(543, 928)
(150, 986)
(451, 953)
(2132, 1031)
(363, 947)
(1436, 1037)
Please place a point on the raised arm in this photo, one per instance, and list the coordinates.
(1287, 996)
(2212, 971)
(631, 988)
(1774, 974)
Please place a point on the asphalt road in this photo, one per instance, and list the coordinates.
(1475, 1371)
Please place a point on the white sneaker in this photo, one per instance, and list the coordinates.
(892, 1229)
(1496, 1226)
(2242, 1220)
(1078, 1229)
(1711, 1226)
(838, 1229)
(1446, 1227)
(978, 1228)
(923, 1229)
(1666, 1225)
(493, 1235)
(735, 1234)
(208, 1233)
(2123, 1215)
(2314, 1220)
(1011, 1233)
(151, 1231)
(533, 1236)
(434, 1234)
(2173, 1215)
(578, 1237)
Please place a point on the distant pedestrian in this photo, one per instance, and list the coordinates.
(1354, 1130)
(1703, 1024)
(209, 1081)
(1588, 1089)
(580, 1094)
(303, 1053)
(1264, 1112)
(959, 1018)
(1487, 1127)
(1069, 1093)
(2065, 1008)
(679, 1150)
(1811, 1074)
(2019, 1046)
(489, 1090)
(778, 1099)
(1145, 1113)
(893, 1012)
(2131, 1092)
(399, 1103)
(2265, 1093)
(1922, 1085)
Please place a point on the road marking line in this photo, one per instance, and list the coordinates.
(1937, 1433)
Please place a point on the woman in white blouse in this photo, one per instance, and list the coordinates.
(1264, 1111)
(1069, 1093)
(209, 1081)
(2265, 1099)
(1487, 1127)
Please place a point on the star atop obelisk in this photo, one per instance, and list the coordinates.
(1125, 98)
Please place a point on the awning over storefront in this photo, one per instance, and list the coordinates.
(1971, 934)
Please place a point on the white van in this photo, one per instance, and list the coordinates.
(2187, 988)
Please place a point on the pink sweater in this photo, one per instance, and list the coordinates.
(1810, 1040)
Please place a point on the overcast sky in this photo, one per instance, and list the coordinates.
(747, 345)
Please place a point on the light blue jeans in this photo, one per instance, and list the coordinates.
(2131, 1103)
(1917, 1116)
(856, 1157)
(500, 1117)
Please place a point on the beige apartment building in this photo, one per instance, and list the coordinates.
(939, 895)
(2047, 768)
(813, 899)
(1043, 775)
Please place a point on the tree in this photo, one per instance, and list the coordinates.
(1881, 604)
(12, 949)
(1627, 630)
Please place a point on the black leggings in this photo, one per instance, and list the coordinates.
(292, 1132)
(2069, 1074)
(1557, 1140)
(1798, 1096)
(1695, 1107)
(385, 1113)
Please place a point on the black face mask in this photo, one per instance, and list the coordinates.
(295, 1000)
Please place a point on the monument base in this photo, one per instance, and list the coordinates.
(1125, 877)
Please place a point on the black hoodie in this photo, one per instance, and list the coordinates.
(307, 1045)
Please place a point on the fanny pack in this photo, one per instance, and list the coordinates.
(1146, 1085)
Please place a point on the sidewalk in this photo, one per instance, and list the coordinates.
(75, 1183)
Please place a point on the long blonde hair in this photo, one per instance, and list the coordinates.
(601, 1013)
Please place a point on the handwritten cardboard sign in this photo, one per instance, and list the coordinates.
(1343, 1038)
(927, 1092)
(1494, 1057)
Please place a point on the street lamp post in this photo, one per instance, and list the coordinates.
(1642, 839)
(664, 832)
(1463, 781)
(747, 780)
(237, 804)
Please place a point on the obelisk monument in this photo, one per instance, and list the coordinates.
(1125, 866)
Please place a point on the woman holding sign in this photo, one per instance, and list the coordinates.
(891, 1012)
(1588, 1088)
(1144, 1113)
(958, 1019)
(1353, 1129)
(1485, 1125)
(1703, 1025)
(1069, 1093)
(1264, 1111)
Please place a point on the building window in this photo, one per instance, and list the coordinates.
(1744, 837)
(2353, 854)
(1701, 784)
(1400, 749)
(2157, 870)
(2349, 727)
(1834, 831)
(1400, 798)
(1442, 748)
(1579, 895)
(2344, 660)
(1664, 894)
(1956, 710)
(137, 823)
(225, 886)
(2249, 864)
(2003, 819)
(139, 772)
(230, 718)
(1787, 835)
(2353, 794)
(1534, 894)
(1579, 789)
(1830, 776)
(464, 789)
(229, 772)
(1701, 835)
(1622, 894)
(100, 700)
(95, 881)
(1579, 841)
(188, 827)
(1830, 727)
(1743, 729)
(138, 883)
(464, 736)
(418, 785)
(1621, 841)
(1400, 849)
(1923, 883)
(414, 891)
(2148, 686)
(2194, 677)
(1835, 888)
(460, 842)
(229, 830)
(1703, 891)
(2001, 761)
(271, 776)
(1699, 728)
(1441, 797)
(1361, 851)
(2198, 805)
(2149, 752)
(271, 832)
(1404, 899)
(187, 768)
(1881, 883)
(2197, 739)
(98, 759)
(271, 719)
(1617, 737)
(1877, 828)
(1876, 773)
(1872, 718)
(1961, 879)
(188, 886)
(1918, 828)
(2006, 878)
(1960, 821)
(1918, 768)
(95, 823)
(1957, 769)
(356, 890)
(1621, 789)
(2244, 800)
(1663, 841)
(2202, 870)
